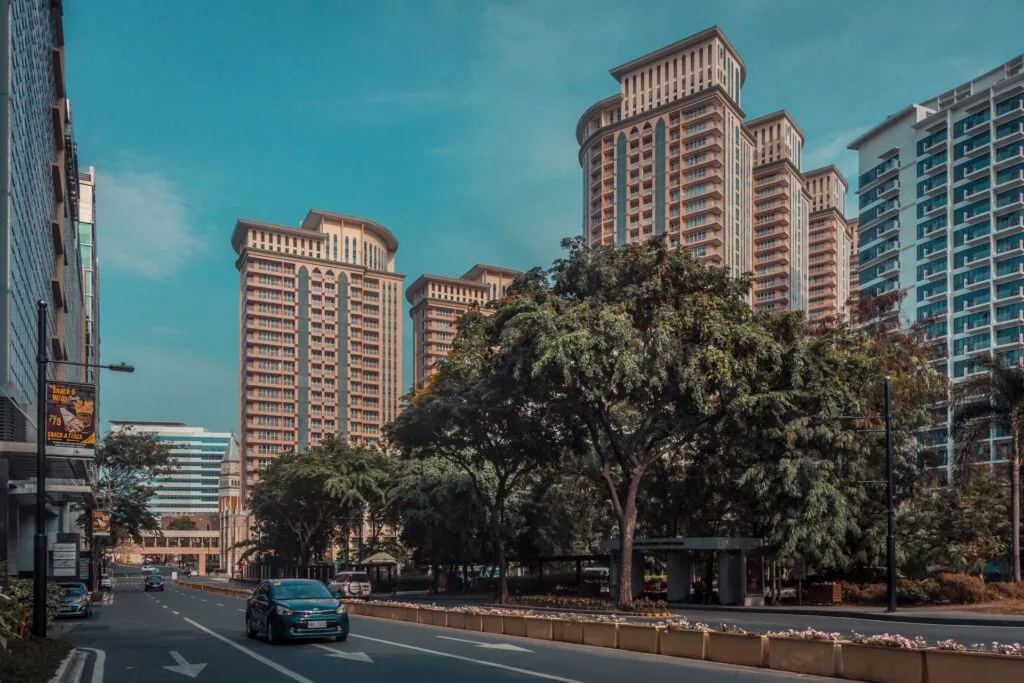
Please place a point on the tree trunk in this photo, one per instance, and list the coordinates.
(627, 530)
(1015, 516)
(502, 573)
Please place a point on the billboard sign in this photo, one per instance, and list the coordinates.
(70, 419)
(100, 523)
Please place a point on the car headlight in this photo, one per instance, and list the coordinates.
(341, 609)
(284, 611)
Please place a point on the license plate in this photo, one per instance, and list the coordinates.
(316, 624)
(67, 609)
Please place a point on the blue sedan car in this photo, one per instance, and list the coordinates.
(285, 609)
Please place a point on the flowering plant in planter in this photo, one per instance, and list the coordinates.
(805, 634)
(1010, 649)
(684, 625)
(732, 628)
(891, 640)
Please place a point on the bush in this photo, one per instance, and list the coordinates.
(864, 594)
(578, 603)
(960, 588)
(1005, 590)
(911, 592)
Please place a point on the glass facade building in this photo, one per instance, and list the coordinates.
(39, 256)
(941, 194)
(193, 487)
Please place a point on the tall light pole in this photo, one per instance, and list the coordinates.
(39, 570)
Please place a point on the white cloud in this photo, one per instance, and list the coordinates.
(145, 223)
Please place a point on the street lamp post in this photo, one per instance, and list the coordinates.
(40, 568)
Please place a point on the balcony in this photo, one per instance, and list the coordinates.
(936, 189)
(933, 148)
(1009, 227)
(1016, 203)
(773, 257)
(1008, 160)
(1009, 275)
(1011, 250)
(1015, 133)
(973, 194)
(976, 127)
(935, 168)
(976, 150)
(932, 254)
(892, 171)
(1010, 114)
(1011, 181)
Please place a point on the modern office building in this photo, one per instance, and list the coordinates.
(941, 193)
(192, 488)
(780, 214)
(830, 245)
(90, 274)
(437, 304)
(854, 264)
(321, 334)
(39, 260)
(669, 155)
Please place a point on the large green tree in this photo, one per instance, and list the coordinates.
(474, 416)
(987, 401)
(634, 348)
(127, 462)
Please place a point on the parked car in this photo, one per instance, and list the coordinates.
(285, 609)
(351, 585)
(153, 582)
(74, 601)
(148, 569)
(106, 583)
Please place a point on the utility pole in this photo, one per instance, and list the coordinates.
(39, 570)
(890, 538)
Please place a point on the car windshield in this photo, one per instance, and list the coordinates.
(74, 591)
(155, 577)
(301, 590)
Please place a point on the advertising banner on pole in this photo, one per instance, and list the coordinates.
(70, 419)
(100, 523)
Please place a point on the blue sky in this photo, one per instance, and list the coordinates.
(451, 122)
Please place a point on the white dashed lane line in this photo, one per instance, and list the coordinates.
(174, 613)
(220, 604)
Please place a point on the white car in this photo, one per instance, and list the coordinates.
(351, 585)
(148, 569)
(106, 584)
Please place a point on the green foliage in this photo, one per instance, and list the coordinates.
(127, 461)
(983, 402)
(304, 500)
(16, 600)
(182, 524)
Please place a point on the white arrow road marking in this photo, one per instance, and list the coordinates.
(490, 646)
(298, 678)
(341, 654)
(481, 662)
(181, 666)
(174, 612)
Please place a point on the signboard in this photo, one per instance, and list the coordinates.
(100, 523)
(65, 560)
(70, 419)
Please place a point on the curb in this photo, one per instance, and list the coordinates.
(560, 610)
(873, 616)
(72, 668)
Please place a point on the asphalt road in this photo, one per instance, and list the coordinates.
(140, 635)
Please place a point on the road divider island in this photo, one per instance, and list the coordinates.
(887, 658)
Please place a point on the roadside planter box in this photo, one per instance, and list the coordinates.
(540, 628)
(639, 638)
(494, 624)
(456, 620)
(565, 631)
(945, 666)
(409, 614)
(801, 656)
(743, 649)
(879, 664)
(473, 622)
(600, 634)
(515, 626)
(438, 617)
(685, 643)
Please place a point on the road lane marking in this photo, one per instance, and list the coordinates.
(239, 610)
(298, 678)
(181, 666)
(482, 662)
(491, 646)
(164, 606)
(203, 599)
(341, 654)
(97, 666)
(174, 613)
(220, 604)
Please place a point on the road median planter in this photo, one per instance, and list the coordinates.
(880, 664)
(494, 623)
(456, 619)
(474, 622)
(515, 626)
(600, 634)
(639, 638)
(802, 656)
(438, 617)
(684, 643)
(744, 649)
(945, 666)
(566, 631)
(539, 628)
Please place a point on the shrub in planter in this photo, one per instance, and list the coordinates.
(684, 639)
(886, 658)
(566, 630)
(950, 662)
(733, 645)
(805, 652)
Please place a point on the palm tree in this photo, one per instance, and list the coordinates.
(980, 403)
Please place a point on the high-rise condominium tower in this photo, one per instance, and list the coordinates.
(830, 244)
(320, 334)
(941, 193)
(669, 155)
(781, 208)
(437, 304)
